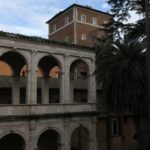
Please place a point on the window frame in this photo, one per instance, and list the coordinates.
(66, 38)
(94, 21)
(54, 27)
(66, 20)
(83, 18)
(115, 127)
(83, 37)
(105, 22)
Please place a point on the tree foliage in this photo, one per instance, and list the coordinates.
(121, 70)
(120, 10)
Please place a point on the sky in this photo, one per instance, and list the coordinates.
(29, 17)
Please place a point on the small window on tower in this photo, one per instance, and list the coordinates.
(66, 20)
(83, 18)
(66, 38)
(83, 37)
(93, 38)
(54, 27)
(105, 22)
(94, 21)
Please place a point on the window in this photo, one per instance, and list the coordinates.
(94, 21)
(66, 38)
(83, 18)
(54, 27)
(93, 38)
(83, 37)
(66, 20)
(105, 21)
(50, 30)
(114, 127)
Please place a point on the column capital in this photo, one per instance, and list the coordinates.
(66, 56)
(33, 51)
(61, 73)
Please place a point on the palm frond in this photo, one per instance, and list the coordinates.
(121, 68)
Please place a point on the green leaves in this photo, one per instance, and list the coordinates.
(121, 68)
(121, 9)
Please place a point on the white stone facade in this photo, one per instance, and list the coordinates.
(30, 120)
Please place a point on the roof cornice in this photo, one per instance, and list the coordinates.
(76, 5)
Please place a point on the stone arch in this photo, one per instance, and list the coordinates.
(80, 138)
(49, 84)
(13, 94)
(23, 54)
(77, 125)
(49, 138)
(7, 57)
(47, 128)
(79, 71)
(74, 59)
(42, 55)
(14, 140)
(50, 59)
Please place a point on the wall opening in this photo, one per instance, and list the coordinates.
(80, 139)
(48, 81)
(49, 140)
(12, 141)
(79, 81)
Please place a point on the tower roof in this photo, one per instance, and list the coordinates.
(77, 5)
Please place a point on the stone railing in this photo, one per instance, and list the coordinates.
(26, 110)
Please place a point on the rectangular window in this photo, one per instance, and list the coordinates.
(49, 28)
(83, 18)
(94, 21)
(66, 38)
(54, 27)
(105, 21)
(83, 37)
(93, 38)
(114, 127)
(66, 20)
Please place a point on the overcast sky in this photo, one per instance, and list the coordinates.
(29, 16)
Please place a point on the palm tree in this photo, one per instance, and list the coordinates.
(121, 69)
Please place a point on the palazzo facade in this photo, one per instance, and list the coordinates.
(38, 111)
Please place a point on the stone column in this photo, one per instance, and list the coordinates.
(32, 143)
(71, 90)
(45, 90)
(91, 89)
(62, 86)
(32, 81)
(92, 84)
(66, 80)
(16, 90)
(66, 136)
(94, 145)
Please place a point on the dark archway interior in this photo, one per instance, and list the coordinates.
(78, 78)
(12, 142)
(49, 140)
(79, 70)
(80, 139)
(15, 61)
(46, 64)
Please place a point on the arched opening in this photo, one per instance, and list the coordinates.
(49, 82)
(49, 140)
(12, 83)
(5, 83)
(80, 139)
(12, 141)
(79, 81)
